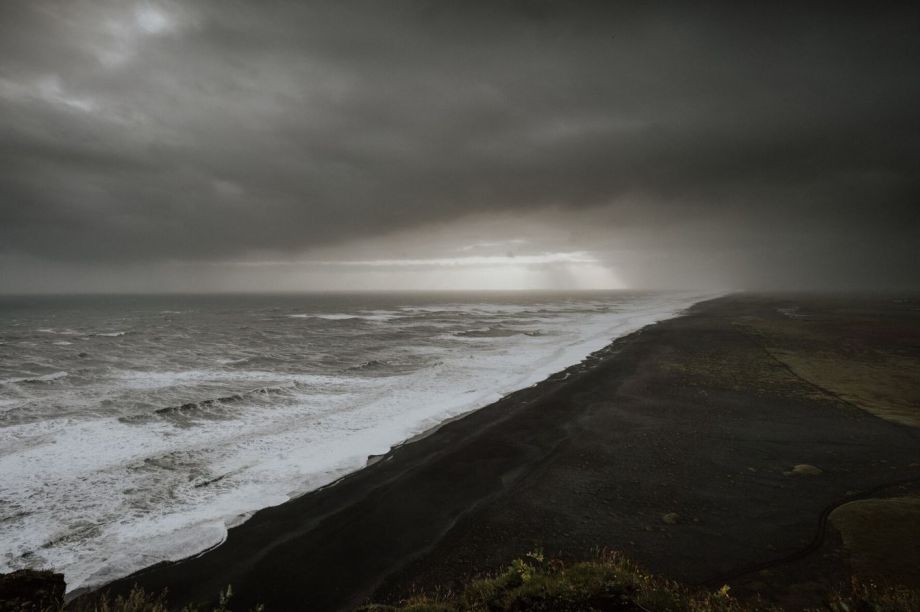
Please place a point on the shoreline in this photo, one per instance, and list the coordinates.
(558, 376)
(590, 457)
(653, 316)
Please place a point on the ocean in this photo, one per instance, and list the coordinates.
(137, 429)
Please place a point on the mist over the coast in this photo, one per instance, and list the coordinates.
(213, 146)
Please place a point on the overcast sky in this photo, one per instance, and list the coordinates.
(175, 146)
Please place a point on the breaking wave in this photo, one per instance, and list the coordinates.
(46, 378)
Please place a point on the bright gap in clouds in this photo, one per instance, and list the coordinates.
(575, 270)
(578, 270)
(579, 257)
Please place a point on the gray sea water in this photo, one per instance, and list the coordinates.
(136, 429)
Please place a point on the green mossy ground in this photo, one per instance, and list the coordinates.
(869, 363)
(863, 358)
(882, 538)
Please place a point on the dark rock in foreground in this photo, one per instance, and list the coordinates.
(27, 590)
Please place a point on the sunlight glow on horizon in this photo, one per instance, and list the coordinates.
(577, 270)
(575, 257)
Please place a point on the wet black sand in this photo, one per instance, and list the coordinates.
(691, 416)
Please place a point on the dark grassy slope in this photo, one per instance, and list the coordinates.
(692, 416)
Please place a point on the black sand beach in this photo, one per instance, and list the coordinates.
(677, 444)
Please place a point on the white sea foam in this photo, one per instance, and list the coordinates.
(99, 496)
(60, 332)
(341, 316)
(139, 379)
(35, 379)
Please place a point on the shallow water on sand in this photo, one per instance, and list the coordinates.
(137, 429)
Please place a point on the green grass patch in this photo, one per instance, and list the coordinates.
(863, 362)
(613, 582)
(882, 538)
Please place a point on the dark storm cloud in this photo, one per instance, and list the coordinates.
(783, 140)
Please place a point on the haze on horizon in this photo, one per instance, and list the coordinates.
(419, 144)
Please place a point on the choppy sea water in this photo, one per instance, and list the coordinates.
(138, 429)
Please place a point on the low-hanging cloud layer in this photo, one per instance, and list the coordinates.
(164, 145)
